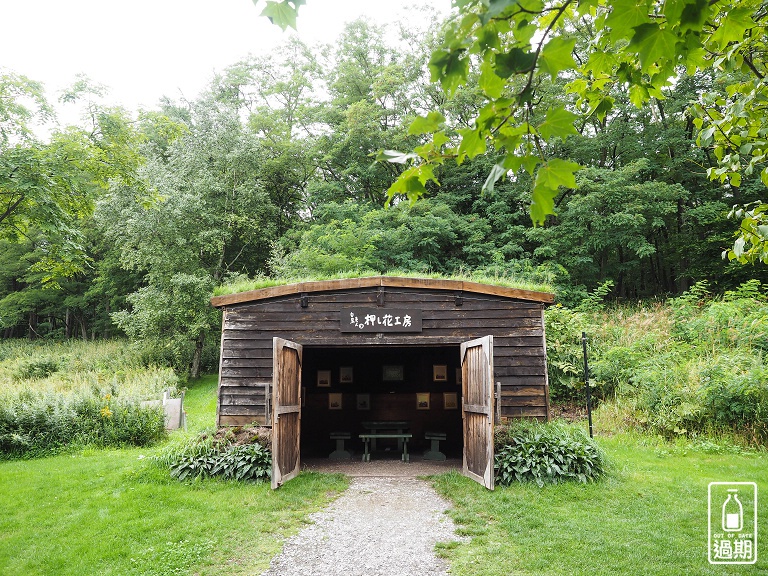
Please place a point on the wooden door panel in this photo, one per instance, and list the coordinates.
(477, 409)
(286, 411)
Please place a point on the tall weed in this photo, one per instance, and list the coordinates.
(695, 365)
(58, 395)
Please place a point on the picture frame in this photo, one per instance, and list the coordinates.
(323, 378)
(458, 376)
(335, 401)
(439, 373)
(422, 400)
(363, 401)
(450, 401)
(346, 375)
(392, 373)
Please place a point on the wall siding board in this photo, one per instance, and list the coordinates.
(516, 325)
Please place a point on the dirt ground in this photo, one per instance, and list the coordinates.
(383, 467)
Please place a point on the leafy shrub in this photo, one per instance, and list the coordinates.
(232, 453)
(565, 358)
(546, 453)
(694, 366)
(35, 368)
(59, 395)
(36, 423)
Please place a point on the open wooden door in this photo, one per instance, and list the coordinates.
(477, 409)
(286, 410)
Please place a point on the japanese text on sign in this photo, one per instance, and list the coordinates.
(380, 320)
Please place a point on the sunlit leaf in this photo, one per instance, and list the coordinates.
(652, 44)
(282, 13)
(557, 55)
(493, 176)
(549, 178)
(490, 82)
(395, 156)
(558, 123)
(430, 123)
(472, 143)
(732, 27)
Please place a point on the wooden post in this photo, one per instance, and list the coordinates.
(586, 381)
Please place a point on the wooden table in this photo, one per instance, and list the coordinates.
(386, 426)
(368, 438)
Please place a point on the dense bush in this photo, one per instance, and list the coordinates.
(565, 359)
(35, 424)
(57, 395)
(546, 453)
(231, 453)
(33, 368)
(693, 365)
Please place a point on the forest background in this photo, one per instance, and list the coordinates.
(126, 223)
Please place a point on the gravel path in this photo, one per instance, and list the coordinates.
(378, 527)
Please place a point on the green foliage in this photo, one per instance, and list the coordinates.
(233, 454)
(58, 396)
(546, 453)
(601, 52)
(694, 366)
(565, 359)
(33, 368)
(36, 424)
(595, 300)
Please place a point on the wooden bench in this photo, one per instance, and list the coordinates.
(340, 453)
(367, 438)
(434, 451)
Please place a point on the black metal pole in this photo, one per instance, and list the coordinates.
(586, 381)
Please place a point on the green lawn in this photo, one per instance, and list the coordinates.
(200, 403)
(111, 513)
(648, 517)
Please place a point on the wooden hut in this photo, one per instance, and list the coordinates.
(314, 359)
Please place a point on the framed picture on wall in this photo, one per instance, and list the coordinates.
(363, 401)
(458, 376)
(324, 378)
(422, 401)
(450, 401)
(346, 375)
(392, 373)
(334, 401)
(439, 373)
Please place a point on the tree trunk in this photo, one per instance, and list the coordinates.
(32, 333)
(107, 320)
(194, 371)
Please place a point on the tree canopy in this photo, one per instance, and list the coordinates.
(127, 222)
(596, 47)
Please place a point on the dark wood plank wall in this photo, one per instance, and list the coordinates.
(516, 325)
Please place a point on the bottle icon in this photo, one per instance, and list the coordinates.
(733, 513)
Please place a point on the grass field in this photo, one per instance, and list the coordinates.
(111, 512)
(648, 517)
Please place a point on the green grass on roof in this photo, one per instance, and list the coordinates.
(245, 285)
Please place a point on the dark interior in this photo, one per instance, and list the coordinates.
(380, 383)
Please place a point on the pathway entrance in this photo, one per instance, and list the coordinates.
(382, 467)
(381, 526)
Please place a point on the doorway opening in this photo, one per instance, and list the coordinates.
(344, 389)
